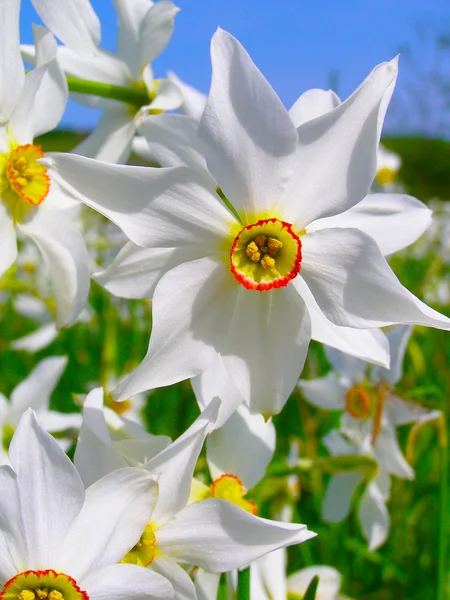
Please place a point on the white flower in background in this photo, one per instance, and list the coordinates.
(145, 29)
(213, 534)
(241, 283)
(30, 200)
(58, 541)
(34, 392)
(367, 395)
(389, 164)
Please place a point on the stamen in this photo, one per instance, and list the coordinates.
(26, 176)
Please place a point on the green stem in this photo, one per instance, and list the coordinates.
(243, 589)
(222, 589)
(138, 96)
(443, 525)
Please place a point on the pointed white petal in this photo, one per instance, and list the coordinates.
(155, 31)
(337, 445)
(207, 584)
(219, 536)
(389, 454)
(215, 381)
(370, 345)
(39, 339)
(116, 510)
(329, 582)
(142, 201)
(64, 251)
(394, 221)
(325, 392)
(270, 569)
(12, 73)
(30, 307)
(53, 421)
(12, 548)
(192, 307)
(338, 497)
(193, 101)
(374, 516)
(401, 412)
(249, 139)
(352, 369)
(74, 22)
(127, 582)
(136, 271)
(182, 583)
(398, 338)
(174, 466)
(266, 345)
(51, 493)
(8, 241)
(130, 15)
(337, 152)
(168, 96)
(354, 285)
(244, 446)
(311, 104)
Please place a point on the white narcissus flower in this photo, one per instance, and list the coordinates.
(213, 534)
(30, 200)
(244, 278)
(62, 542)
(144, 30)
(388, 165)
(34, 392)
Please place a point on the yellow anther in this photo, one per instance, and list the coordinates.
(273, 245)
(55, 595)
(252, 251)
(41, 594)
(26, 595)
(385, 175)
(267, 262)
(21, 181)
(260, 241)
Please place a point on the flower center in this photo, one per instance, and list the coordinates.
(27, 177)
(385, 175)
(358, 403)
(143, 553)
(118, 407)
(7, 436)
(266, 255)
(42, 585)
(229, 487)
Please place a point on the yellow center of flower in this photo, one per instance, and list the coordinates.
(27, 177)
(42, 585)
(266, 255)
(229, 487)
(385, 175)
(118, 407)
(143, 553)
(358, 403)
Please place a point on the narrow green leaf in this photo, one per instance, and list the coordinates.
(312, 588)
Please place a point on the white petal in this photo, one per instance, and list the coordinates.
(389, 454)
(172, 140)
(36, 389)
(126, 582)
(394, 221)
(401, 411)
(12, 73)
(312, 104)
(271, 569)
(353, 370)
(338, 497)
(142, 201)
(244, 446)
(398, 338)
(337, 152)
(174, 466)
(215, 381)
(207, 584)
(53, 421)
(39, 339)
(354, 286)
(111, 139)
(155, 31)
(219, 536)
(249, 139)
(337, 445)
(374, 516)
(168, 96)
(116, 510)
(193, 101)
(266, 345)
(130, 15)
(329, 582)
(8, 241)
(136, 271)
(325, 392)
(50, 489)
(64, 251)
(182, 583)
(30, 307)
(74, 22)
(368, 345)
(191, 307)
(12, 547)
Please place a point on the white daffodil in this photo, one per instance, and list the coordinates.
(34, 392)
(30, 200)
(144, 30)
(388, 166)
(59, 542)
(370, 400)
(213, 534)
(241, 278)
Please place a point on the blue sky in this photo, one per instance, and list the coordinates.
(297, 44)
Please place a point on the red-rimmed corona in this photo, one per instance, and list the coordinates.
(229, 487)
(42, 585)
(266, 255)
